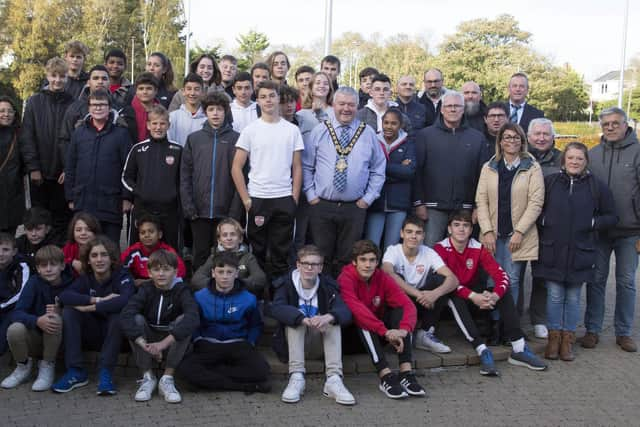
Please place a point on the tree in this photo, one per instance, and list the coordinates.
(252, 46)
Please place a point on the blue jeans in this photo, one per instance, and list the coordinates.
(563, 305)
(512, 268)
(389, 222)
(626, 266)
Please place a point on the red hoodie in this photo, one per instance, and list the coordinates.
(367, 300)
(136, 256)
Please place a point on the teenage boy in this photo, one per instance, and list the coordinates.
(330, 65)
(206, 187)
(94, 163)
(465, 256)
(243, 109)
(151, 177)
(303, 77)
(366, 75)
(115, 61)
(41, 154)
(288, 99)
(224, 356)
(36, 330)
(136, 256)
(159, 321)
(378, 104)
(228, 69)
(14, 274)
(309, 307)
(414, 266)
(259, 73)
(189, 117)
(135, 115)
(273, 148)
(75, 55)
(37, 233)
(382, 313)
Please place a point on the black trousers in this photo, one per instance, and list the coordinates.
(218, 366)
(50, 196)
(168, 215)
(204, 238)
(91, 331)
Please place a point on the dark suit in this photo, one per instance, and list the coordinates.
(433, 111)
(529, 113)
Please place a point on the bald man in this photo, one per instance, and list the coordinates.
(474, 108)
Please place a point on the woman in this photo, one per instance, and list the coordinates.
(577, 205)
(389, 210)
(316, 105)
(160, 66)
(12, 190)
(206, 67)
(509, 199)
(279, 67)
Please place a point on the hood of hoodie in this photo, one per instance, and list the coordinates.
(222, 130)
(402, 135)
(237, 287)
(630, 137)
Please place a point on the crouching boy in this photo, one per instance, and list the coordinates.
(312, 312)
(159, 321)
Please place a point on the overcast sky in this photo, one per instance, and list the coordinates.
(585, 33)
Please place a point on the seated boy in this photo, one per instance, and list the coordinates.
(224, 355)
(136, 256)
(37, 228)
(465, 256)
(382, 313)
(229, 233)
(413, 265)
(159, 321)
(312, 312)
(36, 330)
(14, 274)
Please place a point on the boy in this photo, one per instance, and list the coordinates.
(272, 146)
(75, 55)
(381, 313)
(366, 75)
(135, 115)
(330, 65)
(14, 274)
(303, 77)
(151, 178)
(36, 330)
(37, 233)
(206, 188)
(159, 321)
(259, 73)
(412, 265)
(243, 109)
(189, 117)
(464, 256)
(224, 355)
(310, 308)
(228, 69)
(115, 60)
(136, 256)
(288, 99)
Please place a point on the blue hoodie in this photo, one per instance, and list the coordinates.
(86, 286)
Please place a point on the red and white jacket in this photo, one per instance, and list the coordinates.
(136, 256)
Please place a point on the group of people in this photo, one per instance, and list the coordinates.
(364, 217)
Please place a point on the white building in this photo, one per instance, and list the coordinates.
(605, 87)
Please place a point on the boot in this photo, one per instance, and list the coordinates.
(553, 345)
(566, 346)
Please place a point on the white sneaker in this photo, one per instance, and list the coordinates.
(19, 375)
(167, 388)
(540, 331)
(46, 374)
(295, 388)
(335, 389)
(427, 340)
(147, 386)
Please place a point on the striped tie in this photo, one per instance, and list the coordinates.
(514, 113)
(340, 176)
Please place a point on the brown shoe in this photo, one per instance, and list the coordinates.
(590, 340)
(553, 345)
(627, 344)
(566, 346)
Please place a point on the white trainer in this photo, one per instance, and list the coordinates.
(19, 375)
(295, 389)
(427, 340)
(147, 386)
(335, 389)
(167, 388)
(46, 374)
(540, 331)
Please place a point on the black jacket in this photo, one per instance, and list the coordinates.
(476, 121)
(432, 111)
(75, 85)
(13, 279)
(529, 113)
(12, 189)
(416, 112)
(86, 286)
(549, 160)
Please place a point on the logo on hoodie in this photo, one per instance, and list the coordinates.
(376, 301)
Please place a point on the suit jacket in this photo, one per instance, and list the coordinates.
(529, 113)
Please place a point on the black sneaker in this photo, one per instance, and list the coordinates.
(263, 387)
(390, 385)
(410, 384)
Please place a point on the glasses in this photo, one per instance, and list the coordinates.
(7, 111)
(496, 116)
(310, 264)
(98, 106)
(453, 106)
(381, 89)
(511, 138)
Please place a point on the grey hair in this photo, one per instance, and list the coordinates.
(346, 90)
(450, 93)
(541, 122)
(613, 110)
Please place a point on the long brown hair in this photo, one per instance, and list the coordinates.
(514, 127)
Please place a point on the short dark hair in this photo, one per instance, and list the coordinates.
(146, 78)
(223, 259)
(413, 220)
(398, 114)
(109, 245)
(304, 69)
(497, 105)
(288, 93)
(99, 95)
(98, 67)
(162, 257)
(366, 72)
(36, 216)
(243, 76)
(193, 78)
(463, 215)
(49, 254)
(381, 78)
(260, 66)
(151, 219)
(362, 247)
(7, 238)
(269, 85)
(216, 98)
(331, 59)
(91, 221)
(115, 53)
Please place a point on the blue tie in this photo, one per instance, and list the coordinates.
(340, 176)
(514, 114)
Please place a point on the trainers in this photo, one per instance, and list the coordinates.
(167, 388)
(540, 331)
(74, 378)
(19, 375)
(334, 388)
(147, 386)
(261, 387)
(105, 383)
(295, 389)
(390, 385)
(427, 340)
(46, 374)
(590, 340)
(410, 384)
(527, 359)
(487, 365)
(626, 343)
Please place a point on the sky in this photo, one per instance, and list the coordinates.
(587, 34)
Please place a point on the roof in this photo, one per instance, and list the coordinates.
(613, 75)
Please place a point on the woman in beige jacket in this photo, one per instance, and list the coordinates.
(509, 199)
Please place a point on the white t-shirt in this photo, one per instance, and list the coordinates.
(413, 272)
(270, 147)
(242, 116)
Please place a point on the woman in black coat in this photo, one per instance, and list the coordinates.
(577, 206)
(12, 188)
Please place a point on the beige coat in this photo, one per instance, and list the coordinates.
(527, 198)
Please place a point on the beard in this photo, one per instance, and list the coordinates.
(471, 108)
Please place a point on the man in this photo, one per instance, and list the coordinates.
(449, 159)
(331, 66)
(228, 69)
(378, 104)
(366, 76)
(616, 161)
(259, 73)
(519, 111)
(344, 171)
(75, 54)
(115, 60)
(495, 116)
(431, 96)
(243, 109)
(474, 108)
(407, 103)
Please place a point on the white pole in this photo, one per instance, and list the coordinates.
(133, 57)
(188, 42)
(328, 16)
(622, 56)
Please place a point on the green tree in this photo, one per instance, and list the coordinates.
(252, 46)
